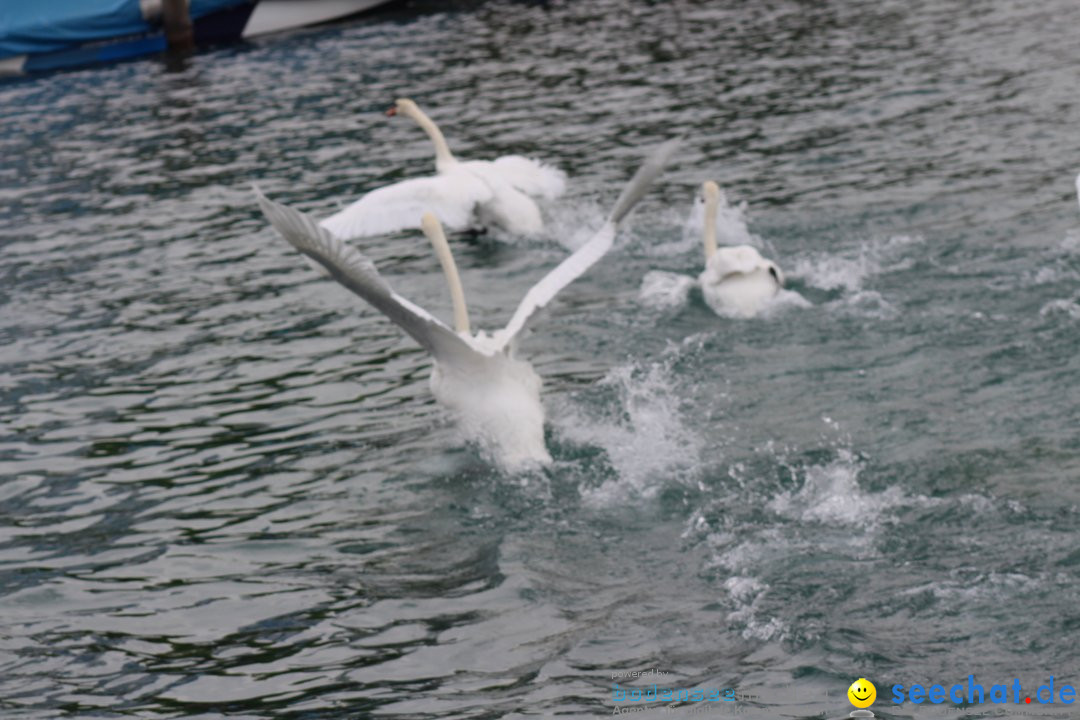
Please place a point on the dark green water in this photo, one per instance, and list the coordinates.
(227, 492)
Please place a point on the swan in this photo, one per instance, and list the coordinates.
(495, 395)
(461, 194)
(737, 280)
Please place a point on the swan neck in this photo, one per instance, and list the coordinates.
(710, 226)
(442, 150)
(435, 234)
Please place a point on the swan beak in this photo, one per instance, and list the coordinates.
(392, 111)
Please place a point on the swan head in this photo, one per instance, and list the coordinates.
(443, 157)
(403, 106)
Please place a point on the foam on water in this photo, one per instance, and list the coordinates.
(1071, 242)
(746, 595)
(772, 508)
(831, 494)
(866, 303)
(787, 299)
(662, 290)
(732, 226)
(1069, 308)
(571, 221)
(981, 586)
(234, 488)
(640, 426)
(850, 271)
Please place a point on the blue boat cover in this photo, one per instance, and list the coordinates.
(41, 26)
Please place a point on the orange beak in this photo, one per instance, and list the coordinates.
(392, 111)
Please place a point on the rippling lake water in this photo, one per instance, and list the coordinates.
(226, 488)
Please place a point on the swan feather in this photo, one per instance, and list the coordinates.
(532, 177)
(595, 248)
(356, 272)
(452, 196)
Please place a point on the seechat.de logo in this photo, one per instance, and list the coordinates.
(862, 694)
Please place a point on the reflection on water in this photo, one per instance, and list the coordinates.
(226, 488)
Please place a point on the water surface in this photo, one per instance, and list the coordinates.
(227, 491)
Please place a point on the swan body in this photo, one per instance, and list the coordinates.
(497, 403)
(495, 395)
(737, 280)
(461, 194)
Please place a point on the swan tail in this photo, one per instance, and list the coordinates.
(532, 177)
(357, 273)
(643, 178)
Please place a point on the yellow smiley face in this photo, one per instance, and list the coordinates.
(862, 693)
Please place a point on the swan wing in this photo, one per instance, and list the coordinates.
(532, 177)
(586, 256)
(357, 273)
(452, 197)
(564, 273)
(733, 260)
(508, 207)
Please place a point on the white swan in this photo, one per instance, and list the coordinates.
(737, 280)
(460, 194)
(496, 396)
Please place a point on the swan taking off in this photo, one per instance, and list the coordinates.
(495, 396)
(736, 279)
(461, 194)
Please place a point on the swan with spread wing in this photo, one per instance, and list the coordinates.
(495, 395)
(462, 194)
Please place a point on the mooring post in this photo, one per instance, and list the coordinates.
(177, 22)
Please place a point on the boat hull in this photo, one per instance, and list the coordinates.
(80, 40)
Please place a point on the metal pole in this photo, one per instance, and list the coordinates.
(177, 22)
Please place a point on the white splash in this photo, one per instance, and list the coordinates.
(1070, 308)
(731, 223)
(831, 494)
(746, 593)
(850, 272)
(570, 223)
(643, 432)
(662, 290)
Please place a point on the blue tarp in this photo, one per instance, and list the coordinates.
(37, 26)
